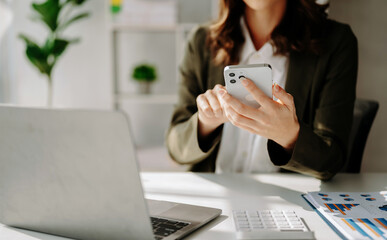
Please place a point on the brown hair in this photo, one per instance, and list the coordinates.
(301, 29)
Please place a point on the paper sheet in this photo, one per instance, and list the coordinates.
(357, 215)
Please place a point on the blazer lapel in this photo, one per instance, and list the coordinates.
(215, 75)
(299, 79)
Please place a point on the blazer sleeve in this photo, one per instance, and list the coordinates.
(182, 136)
(320, 150)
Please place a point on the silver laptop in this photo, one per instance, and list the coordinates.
(74, 173)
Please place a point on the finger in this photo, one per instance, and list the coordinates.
(257, 93)
(218, 87)
(241, 121)
(283, 96)
(236, 118)
(214, 103)
(204, 106)
(220, 93)
(239, 107)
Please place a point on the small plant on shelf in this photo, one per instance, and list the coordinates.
(145, 75)
(56, 15)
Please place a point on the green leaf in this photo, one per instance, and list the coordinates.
(59, 47)
(77, 2)
(37, 56)
(74, 19)
(27, 40)
(55, 48)
(49, 12)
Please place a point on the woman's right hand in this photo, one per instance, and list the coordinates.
(210, 111)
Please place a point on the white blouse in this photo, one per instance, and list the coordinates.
(241, 151)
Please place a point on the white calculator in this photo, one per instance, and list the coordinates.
(270, 224)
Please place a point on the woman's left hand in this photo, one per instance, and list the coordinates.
(275, 120)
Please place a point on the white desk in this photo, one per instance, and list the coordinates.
(227, 192)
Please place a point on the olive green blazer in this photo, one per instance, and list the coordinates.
(324, 91)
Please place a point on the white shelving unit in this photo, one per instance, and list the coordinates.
(180, 31)
(161, 45)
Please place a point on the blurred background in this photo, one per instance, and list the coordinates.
(127, 59)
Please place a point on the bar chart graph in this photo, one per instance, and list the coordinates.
(342, 208)
(355, 215)
(367, 227)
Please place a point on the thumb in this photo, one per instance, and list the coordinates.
(282, 95)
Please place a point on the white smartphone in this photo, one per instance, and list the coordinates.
(260, 74)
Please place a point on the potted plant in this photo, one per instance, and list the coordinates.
(145, 75)
(56, 15)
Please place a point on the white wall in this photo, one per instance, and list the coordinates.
(368, 20)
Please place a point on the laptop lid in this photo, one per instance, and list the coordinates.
(54, 177)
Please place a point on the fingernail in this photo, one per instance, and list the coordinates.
(222, 92)
(244, 81)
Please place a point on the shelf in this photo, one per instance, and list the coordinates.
(117, 29)
(148, 98)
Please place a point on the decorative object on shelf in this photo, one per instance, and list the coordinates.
(145, 75)
(115, 6)
(57, 16)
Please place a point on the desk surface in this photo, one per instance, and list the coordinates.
(236, 191)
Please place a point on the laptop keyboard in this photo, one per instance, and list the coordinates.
(164, 227)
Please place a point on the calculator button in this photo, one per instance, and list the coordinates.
(257, 226)
(296, 223)
(297, 226)
(256, 221)
(244, 226)
(269, 222)
(285, 227)
(283, 224)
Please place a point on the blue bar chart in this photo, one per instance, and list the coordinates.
(342, 208)
(367, 228)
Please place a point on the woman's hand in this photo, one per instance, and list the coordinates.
(210, 112)
(273, 120)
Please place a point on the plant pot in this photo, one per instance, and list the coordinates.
(144, 87)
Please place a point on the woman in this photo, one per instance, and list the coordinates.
(314, 63)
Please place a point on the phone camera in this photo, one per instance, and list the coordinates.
(241, 76)
(232, 74)
(232, 81)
